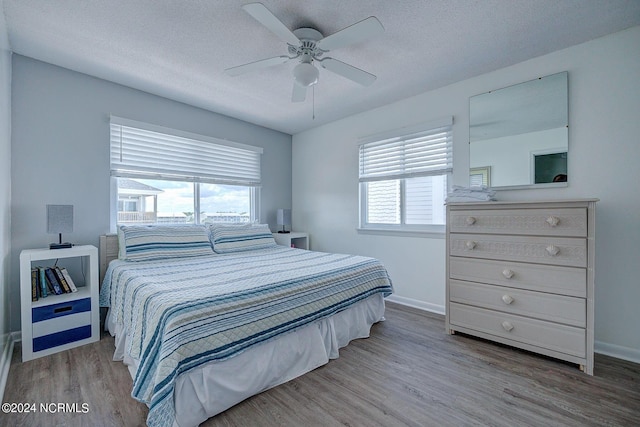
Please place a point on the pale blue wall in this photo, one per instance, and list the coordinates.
(60, 151)
(5, 185)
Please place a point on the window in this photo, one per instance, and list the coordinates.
(127, 205)
(163, 175)
(403, 178)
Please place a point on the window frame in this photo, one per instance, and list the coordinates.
(432, 230)
(253, 185)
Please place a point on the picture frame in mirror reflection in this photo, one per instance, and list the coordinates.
(480, 176)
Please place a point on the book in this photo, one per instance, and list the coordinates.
(43, 282)
(34, 284)
(49, 286)
(69, 280)
(61, 280)
(57, 289)
(39, 287)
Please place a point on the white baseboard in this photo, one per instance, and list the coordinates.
(433, 308)
(5, 362)
(617, 351)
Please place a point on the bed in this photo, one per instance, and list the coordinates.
(207, 316)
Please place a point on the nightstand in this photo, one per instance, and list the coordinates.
(59, 322)
(293, 239)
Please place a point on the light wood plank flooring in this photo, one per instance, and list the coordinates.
(408, 373)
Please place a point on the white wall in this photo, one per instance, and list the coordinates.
(5, 197)
(60, 151)
(604, 101)
(510, 156)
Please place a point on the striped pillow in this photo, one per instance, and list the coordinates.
(147, 242)
(227, 238)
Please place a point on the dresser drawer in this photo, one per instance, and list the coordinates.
(540, 250)
(552, 336)
(570, 281)
(570, 222)
(554, 308)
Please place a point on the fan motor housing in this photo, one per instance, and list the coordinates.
(310, 34)
(308, 38)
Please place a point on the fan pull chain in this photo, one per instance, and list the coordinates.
(313, 102)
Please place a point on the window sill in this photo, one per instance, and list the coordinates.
(436, 233)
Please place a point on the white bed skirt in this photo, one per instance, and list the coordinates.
(216, 386)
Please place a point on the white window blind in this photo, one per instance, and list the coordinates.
(416, 153)
(140, 150)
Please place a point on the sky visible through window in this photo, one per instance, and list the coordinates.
(177, 197)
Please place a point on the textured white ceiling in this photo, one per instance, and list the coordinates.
(179, 49)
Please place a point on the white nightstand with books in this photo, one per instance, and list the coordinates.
(293, 239)
(64, 320)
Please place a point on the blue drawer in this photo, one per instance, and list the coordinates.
(61, 309)
(60, 338)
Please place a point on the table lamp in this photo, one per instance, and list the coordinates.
(59, 220)
(284, 218)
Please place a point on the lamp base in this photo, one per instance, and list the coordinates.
(283, 232)
(60, 245)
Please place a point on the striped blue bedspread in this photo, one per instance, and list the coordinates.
(181, 313)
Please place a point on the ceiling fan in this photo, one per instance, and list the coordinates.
(308, 46)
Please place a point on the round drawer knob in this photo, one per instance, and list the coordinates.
(508, 274)
(471, 220)
(470, 244)
(553, 221)
(507, 299)
(507, 326)
(553, 250)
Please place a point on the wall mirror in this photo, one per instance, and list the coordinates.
(519, 135)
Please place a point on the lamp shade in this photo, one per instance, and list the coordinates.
(284, 216)
(305, 74)
(59, 219)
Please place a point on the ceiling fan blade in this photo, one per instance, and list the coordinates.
(299, 93)
(257, 65)
(269, 20)
(355, 33)
(348, 71)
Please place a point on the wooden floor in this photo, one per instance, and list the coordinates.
(408, 373)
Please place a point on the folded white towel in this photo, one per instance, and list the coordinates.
(452, 199)
(476, 189)
(470, 194)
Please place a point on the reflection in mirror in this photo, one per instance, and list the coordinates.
(518, 136)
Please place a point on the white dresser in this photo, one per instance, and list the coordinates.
(522, 274)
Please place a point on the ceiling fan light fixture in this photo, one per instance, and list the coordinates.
(305, 74)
